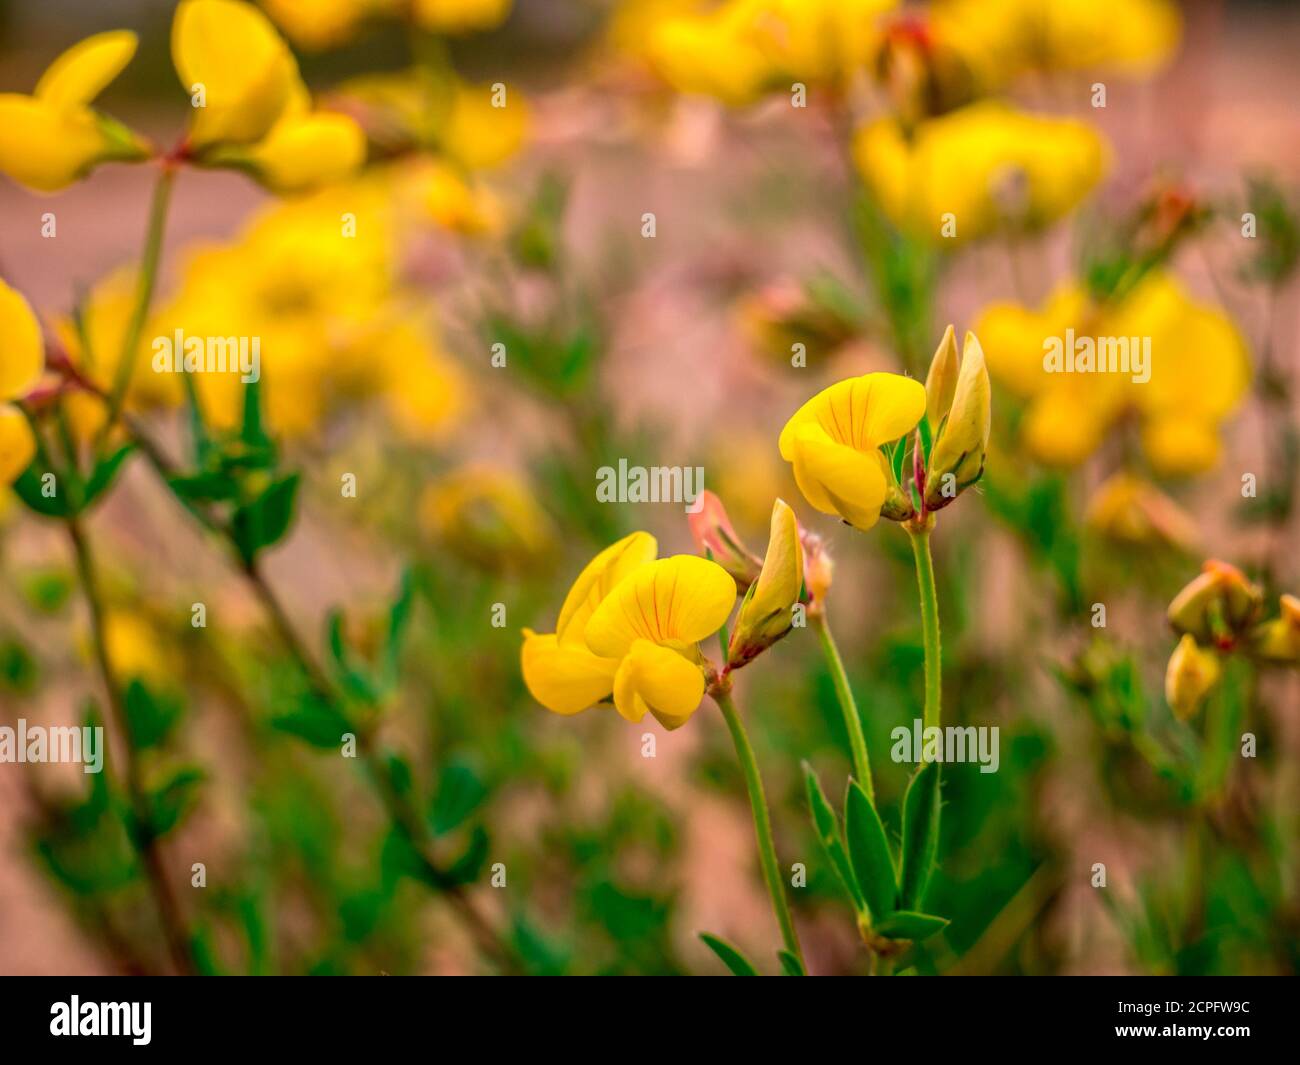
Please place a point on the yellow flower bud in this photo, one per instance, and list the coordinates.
(17, 445)
(957, 455)
(941, 381)
(305, 151)
(767, 612)
(716, 539)
(1216, 607)
(50, 139)
(1278, 640)
(1192, 673)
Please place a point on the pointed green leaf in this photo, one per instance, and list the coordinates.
(869, 851)
(907, 924)
(828, 832)
(920, 834)
(736, 962)
(790, 965)
(103, 474)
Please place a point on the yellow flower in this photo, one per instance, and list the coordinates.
(454, 202)
(1278, 640)
(957, 456)
(833, 441)
(1191, 675)
(22, 360)
(767, 611)
(1196, 375)
(986, 165)
(306, 149)
(652, 623)
(460, 16)
(425, 391)
(239, 72)
(747, 47)
(1131, 510)
(1217, 607)
(559, 670)
(317, 24)
(1005, 38)
(479, 135)
(488, 516)
(50, 139)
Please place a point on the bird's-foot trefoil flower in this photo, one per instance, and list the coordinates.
(767, 612)
(1217, 607)
(53, 137)
(959, 415)
(1192, 673)
(22, 360)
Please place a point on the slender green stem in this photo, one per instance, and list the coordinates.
(929, 622)
(848, 706)
(762, 822)
(145, 284)
(143, 836)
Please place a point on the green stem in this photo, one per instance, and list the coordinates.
(762, 822)
(848, 706)
(929, 622)
(145, 284)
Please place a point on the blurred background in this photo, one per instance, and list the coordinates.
(475, 486)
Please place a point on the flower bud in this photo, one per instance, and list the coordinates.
(962, 431)
(716, 539)
(1278, 640)
(1217, 607)
(1133, 511)
(817, 570)
(1193, 672)
(941, 381)
(767, 611)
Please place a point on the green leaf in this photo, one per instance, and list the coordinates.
(869, 851)
(908, 924)
(315, 721)
(736, 963)
(469, 865)
(28, 488)
(102, 476)
(828, 832)
(459, 794)
(251, 431)
(896, 458)
(209, 487)
(150, 718)
(171, 802)
(790, 965)
(266, 519)
(354, 681)
(399, 619)
(920, 834)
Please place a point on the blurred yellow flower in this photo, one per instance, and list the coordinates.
(50, 139)
(424, 391)
(652, 623)
(488, 516)
(1278, 640)
(1005, 38)
(238, 71)
(136, 650)
(1197, 375)
(560, 671)
(744, 48)
(306, 149)
(478, 134)
(460, 16)
(1131, 510)
(981, 168)
(453, 201)
(1191, 675)
(22, 360)
(1217, 606)
(317, 24)
(833, 442)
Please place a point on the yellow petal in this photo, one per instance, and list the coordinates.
(84, 70)
(566, 680)
(660, 680)
(600, 576)
(247, 73)
(767, 611)
(836, 479)
(22, 349)
(965, 437)
(862, 412)
(681, 599)
(310, 151)
(17, 445)
(941, 381)
(1181, 447)
(1192, 673)
(46, 147)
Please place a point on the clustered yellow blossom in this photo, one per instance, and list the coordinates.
(979, 169)
(320, 24)
(629, 630)
(488, 516)
(22, 360)
(1198, 372)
